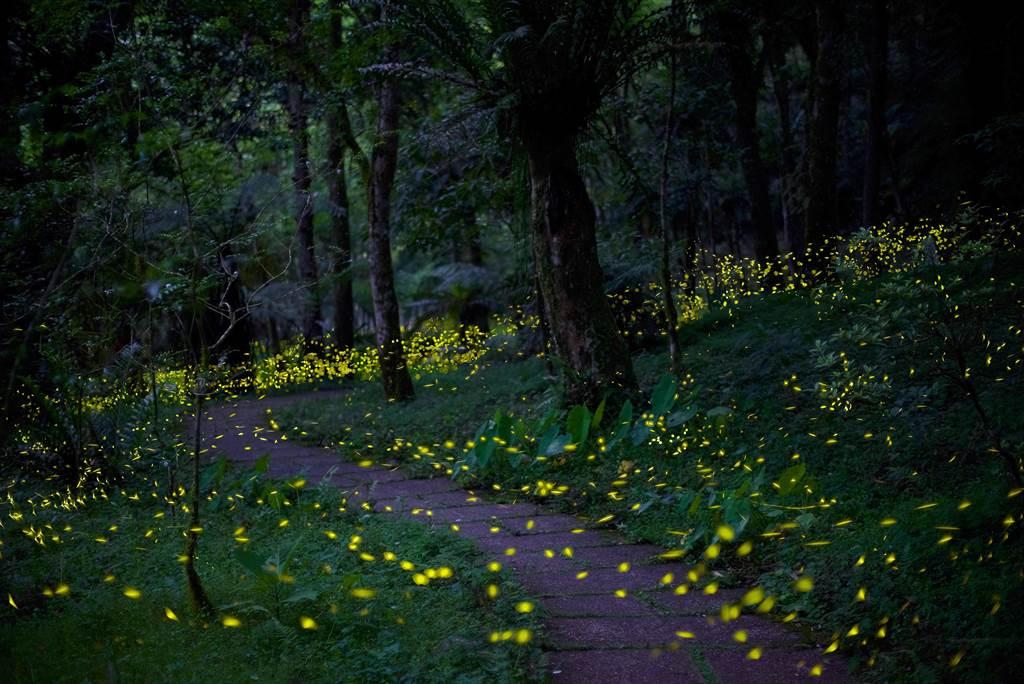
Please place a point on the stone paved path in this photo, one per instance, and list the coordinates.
(592, 635)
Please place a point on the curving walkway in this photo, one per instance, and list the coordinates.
(604, 625)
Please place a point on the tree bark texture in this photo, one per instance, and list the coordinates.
(823, 131)
(668, 304)
(337, 199)
(383, 163)
(744, 83)
(583, 328)
(877, 51)
(791, 212)
(298, 21)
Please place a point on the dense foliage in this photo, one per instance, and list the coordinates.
(742, 279)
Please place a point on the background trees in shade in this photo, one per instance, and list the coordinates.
(507, 152)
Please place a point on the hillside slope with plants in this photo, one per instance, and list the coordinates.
(314, 312)
(862, 435)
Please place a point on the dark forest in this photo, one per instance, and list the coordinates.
(511, 340)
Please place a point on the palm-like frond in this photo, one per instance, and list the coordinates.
(544, 58)
(451, 33)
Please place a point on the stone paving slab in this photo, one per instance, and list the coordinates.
(564, 633)
(535, 562)
(412, 488)
(398, 505)
(424, 507)
(774, 667)
(473, 530)
(311, 474)
(388, 500)
(561, 540)
(451, 499)
(598, 666)
(603, 581)
(712, 631)
(371, 475)
(595, 606)
(541, 524)
(694, 602)
(609, 556)
(475, 512)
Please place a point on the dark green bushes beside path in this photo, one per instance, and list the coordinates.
(857, 439)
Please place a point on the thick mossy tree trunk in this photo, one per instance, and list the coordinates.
(298, 21)
(393, 370)
(583, 328)
(823, 129)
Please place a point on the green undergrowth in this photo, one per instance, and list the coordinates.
(448, 406)
(303, 592)
(848, 450)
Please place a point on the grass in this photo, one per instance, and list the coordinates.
(318, 595)
(841, 451)
(447, 406)
(832, 429)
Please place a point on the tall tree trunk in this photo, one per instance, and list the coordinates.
(780, 88)
(823, 129)
(745, 82)
(344, 310)
(877, 52)
(337, 198)
(298, 20)
(393, 370)
(711, 250)
(668, 303)
(562, 219)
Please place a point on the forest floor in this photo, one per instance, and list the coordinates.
(608, 612)
(830, 488)
(822, 456)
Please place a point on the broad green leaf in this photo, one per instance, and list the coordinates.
(640, 433)
(737, 513)
(275, 499)
(578, 424)
(623, 423)
(625, 413)
(546, 439)
(503, 426)
(302, 595)
(595, 422)
(484, 451)
(664, 395)
(680, 417)
(251, 562)
(558, 445)
(213, 474)
(694, 506)
(790, 478)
